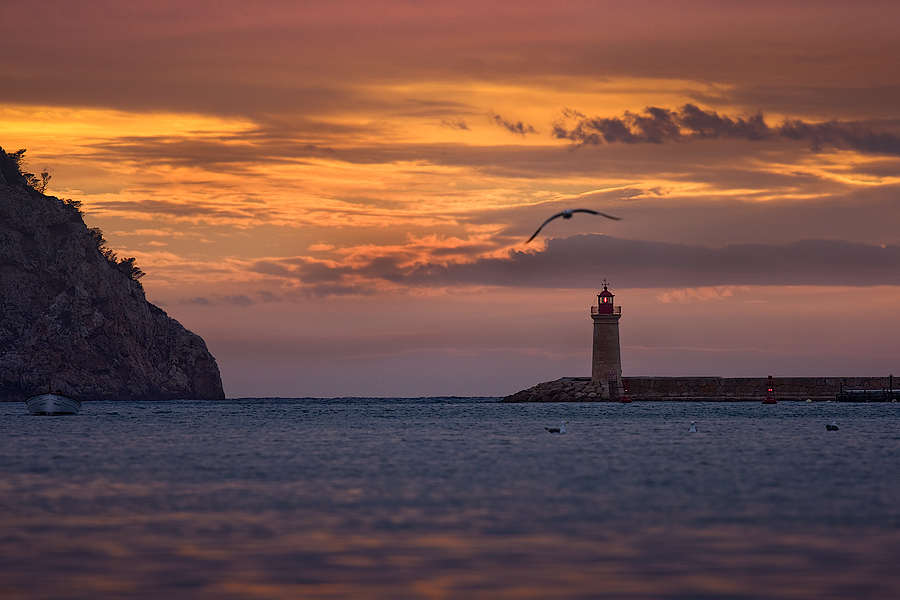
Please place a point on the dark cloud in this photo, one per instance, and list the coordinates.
(241, 300)
(459, 124)
(267, 296)
(238, 300)
(705, 124)
(660, 125)
(582, 261)
(519, 128)
(843, 136)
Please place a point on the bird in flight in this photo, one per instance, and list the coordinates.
(567, 214)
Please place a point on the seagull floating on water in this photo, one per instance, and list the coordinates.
(832, 427)
(693, 428)
(567, 214)
(560, 429)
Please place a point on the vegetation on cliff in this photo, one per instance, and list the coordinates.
(15, 174)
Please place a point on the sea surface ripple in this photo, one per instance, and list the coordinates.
(450, 498)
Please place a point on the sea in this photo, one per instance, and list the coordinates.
(444, 498)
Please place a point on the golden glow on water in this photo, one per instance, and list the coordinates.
(128, 556)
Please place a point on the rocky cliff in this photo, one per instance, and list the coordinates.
(71, 320)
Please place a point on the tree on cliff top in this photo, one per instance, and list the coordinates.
(17, 175)
(12, 173)
(125, 265)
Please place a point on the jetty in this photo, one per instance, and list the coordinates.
(713, 389)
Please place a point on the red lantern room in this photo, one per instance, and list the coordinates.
(605, 301)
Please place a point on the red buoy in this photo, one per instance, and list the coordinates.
(626, 397)
(770, 392)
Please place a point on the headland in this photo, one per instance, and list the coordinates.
(74, 317)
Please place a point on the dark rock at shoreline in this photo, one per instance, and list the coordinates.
(567, 389)
(70, 320)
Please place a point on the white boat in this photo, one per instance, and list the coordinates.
(52, 404)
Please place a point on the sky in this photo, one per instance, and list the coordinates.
(336, 195)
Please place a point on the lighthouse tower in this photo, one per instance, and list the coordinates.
(606, 364)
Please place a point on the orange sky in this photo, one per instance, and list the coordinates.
(336, 195)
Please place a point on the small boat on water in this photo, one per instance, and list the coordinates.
(52, 404)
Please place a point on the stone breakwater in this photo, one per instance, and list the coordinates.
(723, 389)
(567, 389)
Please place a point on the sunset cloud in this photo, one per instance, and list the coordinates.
(702, 294)
(581, 261)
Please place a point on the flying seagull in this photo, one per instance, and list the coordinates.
(832, 427)
(567, 214)
(560, 429)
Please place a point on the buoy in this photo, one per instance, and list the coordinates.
(770, 392)
(626, 397)
(693, 428)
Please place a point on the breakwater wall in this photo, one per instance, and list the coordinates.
(723, 389)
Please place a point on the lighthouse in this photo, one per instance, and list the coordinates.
(606, 363)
